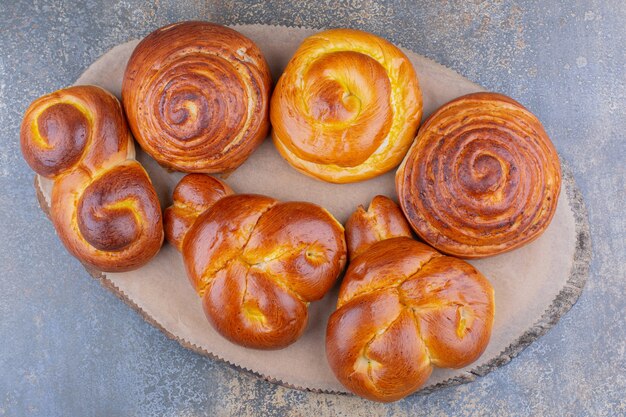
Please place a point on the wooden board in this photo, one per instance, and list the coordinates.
(534, 285)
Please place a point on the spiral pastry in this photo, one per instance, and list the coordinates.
(196, 96)
(256, 262)
(103, 205)
(482, 177)
(347, 106)
(403, 309)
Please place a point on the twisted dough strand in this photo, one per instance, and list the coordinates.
(103, 205)
(346, 107)
(382, 220)
(196, 95)
(481, 178)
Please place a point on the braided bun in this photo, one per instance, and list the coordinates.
(256, 262)
(403, 309)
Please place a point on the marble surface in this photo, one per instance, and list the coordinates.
(68, 347)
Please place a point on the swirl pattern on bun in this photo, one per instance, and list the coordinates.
(197, 96)
(346, 107)
(482, 177)
(103, 205)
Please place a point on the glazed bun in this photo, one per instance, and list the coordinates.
(256, 262)
(347, 106)
(197, 96)
(482, 177)
(403, 309)
(103, 205)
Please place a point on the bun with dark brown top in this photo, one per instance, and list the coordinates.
(256, 262)
(403, 309)
(481, 178)
(347, 106)
(103, 204)
(197, 96)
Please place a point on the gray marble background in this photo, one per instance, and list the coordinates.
(68, 347)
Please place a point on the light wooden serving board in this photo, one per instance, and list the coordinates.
(533, 285)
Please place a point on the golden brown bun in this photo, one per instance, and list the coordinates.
(481, 178)
(197, 96)
(404, 308)
(103, 205)
(256, 262)
(347, 106)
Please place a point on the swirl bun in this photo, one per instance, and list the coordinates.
(481, 178)
(256, 262)
(347, 106)
(196, 96)
(404, 308)
(103, 205)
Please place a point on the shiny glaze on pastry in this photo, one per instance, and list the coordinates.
(103, 204)
(256, 262)
(403, 309)
(346, 107)
(197, 96)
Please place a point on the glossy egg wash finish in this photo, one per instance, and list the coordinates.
(103, 205)
(346, 107)
(481, 178)
(403, 309)
(256, 262)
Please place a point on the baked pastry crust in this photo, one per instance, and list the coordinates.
(256, 262)
(346, 107)
(403, 309)
(481, 178)
(196, 95)
(382, 220)
(103, 205)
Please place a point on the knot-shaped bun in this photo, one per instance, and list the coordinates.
(481, 178)
(103, 204)
(347, 106)
(256, 262)
(404, 308)
(196, 96)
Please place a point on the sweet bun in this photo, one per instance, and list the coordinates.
(346, 107)
(103, 205)
(403, 309)
(482, 177)
(256, 262)
(197, 96)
